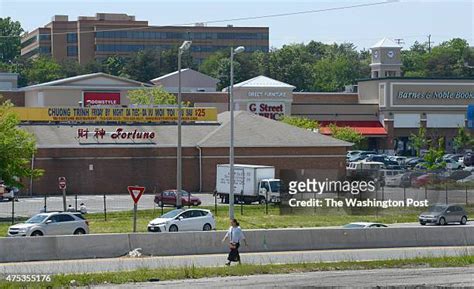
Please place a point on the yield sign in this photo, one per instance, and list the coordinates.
(136, 192)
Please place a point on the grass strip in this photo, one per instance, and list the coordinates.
(192, 272)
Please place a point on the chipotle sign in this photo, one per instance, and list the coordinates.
(101, 98)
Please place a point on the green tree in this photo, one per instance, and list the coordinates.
(419, 141)
(301, 122)
(434, 155)
(169, 61)
(347, 134)
(10, 39)
(43, 69)
(71, 67)
(463, 140)
(114, 65)
(143, 65)
(17, 146)
(152, 95)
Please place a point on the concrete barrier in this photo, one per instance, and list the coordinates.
(194, 243)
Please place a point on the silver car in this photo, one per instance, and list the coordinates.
(56, 223)
(442, 214)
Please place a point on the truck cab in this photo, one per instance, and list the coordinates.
(269, 190)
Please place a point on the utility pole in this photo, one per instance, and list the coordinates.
(429, 43)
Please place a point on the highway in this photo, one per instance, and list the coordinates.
(127, 263)
(413, 278)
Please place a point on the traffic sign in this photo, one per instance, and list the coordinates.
(62, 183)
(136, 192)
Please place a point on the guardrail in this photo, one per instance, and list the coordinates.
(194, 243)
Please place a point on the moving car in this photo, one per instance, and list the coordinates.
(183, 220)
(363, 225)
(442, 214)
(168, 197)
(54, 223)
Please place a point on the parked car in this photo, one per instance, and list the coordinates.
(458, 175)
(453, 164)
(168, 197)
(352, 153)
(400, 160)
(442, 214)
(427, 179)
(364, 225)
(383, 159)
(53, 223)
(467, 179)
(468, 159)
(411, 163)
(183, 220)
(9, 193)
(362, 155)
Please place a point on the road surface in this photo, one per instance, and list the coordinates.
(125, 263)
(422, 277)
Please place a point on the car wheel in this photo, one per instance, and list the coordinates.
(173, 228)
(442, 221)
(207, 227)
(262, 201)
(37, 234)
(160, 204)
(79, 232)
(463, 220)
(422, 223)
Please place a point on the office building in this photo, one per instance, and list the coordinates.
(98, 37)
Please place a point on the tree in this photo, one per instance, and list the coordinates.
(43, 69)
(301, 122)
(463, 140)
(347, 134)
(114, 65)
(17, 146)
(419, 141)
(169, 61)
(152, 95)
(434, 155)
(10, 39)
(143, 65)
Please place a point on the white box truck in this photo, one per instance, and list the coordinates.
(252, 183)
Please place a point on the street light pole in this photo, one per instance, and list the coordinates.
(185, 46)
(231, 147)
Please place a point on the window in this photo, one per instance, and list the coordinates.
(29, 41)
(45, 49)
(65, 218)
(382, 94)
(45, 37)
(72, 38)
(187, 214)
(72, 51)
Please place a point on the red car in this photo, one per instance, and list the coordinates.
(427, 179)
(168, 197)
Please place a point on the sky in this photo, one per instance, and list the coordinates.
(409, 20)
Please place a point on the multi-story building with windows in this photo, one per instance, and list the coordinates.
(97, 37)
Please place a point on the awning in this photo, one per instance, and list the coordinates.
(366, 128)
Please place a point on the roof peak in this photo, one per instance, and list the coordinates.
(263, 81)
(386, 43)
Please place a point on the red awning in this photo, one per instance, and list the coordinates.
(366, 128)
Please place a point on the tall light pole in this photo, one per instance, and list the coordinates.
(184, 47)
(231, 147)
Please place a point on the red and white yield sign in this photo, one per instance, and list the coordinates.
(62, 183)
(136, 192)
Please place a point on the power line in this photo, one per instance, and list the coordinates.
(233, 19)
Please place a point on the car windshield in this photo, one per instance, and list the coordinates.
(354, 226)
(436, 208)
(184, 194)
(36, 219)
(171, 214)
(275, 186)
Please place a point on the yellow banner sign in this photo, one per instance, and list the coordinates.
(77, 114)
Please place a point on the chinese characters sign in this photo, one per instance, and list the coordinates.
(118, 134)
(73, 114)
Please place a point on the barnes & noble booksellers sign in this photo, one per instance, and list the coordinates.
(73, 114)
(433, 94)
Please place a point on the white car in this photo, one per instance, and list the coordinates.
(363, 225)
(183, 220)
(452, 164)
(55, 223)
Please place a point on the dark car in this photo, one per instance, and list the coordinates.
(411, 163)
(168, 197)
(442, 214)
(468, 159)
(408, 177)
(383, 159)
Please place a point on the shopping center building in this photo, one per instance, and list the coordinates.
(386, 108)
